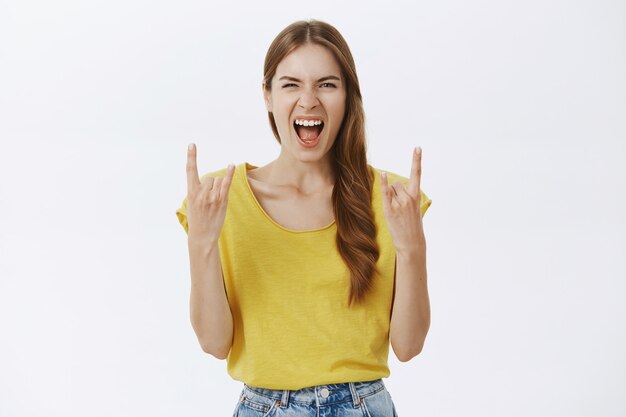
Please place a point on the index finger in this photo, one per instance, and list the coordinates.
(416, 172)
(193, 180)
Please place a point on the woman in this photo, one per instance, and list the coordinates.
(293, 264)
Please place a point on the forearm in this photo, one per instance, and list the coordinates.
(211, 317)
(410, 317)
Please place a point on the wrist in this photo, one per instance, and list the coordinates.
(415, 249)
(201, 241)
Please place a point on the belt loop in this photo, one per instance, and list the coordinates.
(356, 399)
(284, 401)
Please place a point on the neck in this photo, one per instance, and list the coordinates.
(305, 176)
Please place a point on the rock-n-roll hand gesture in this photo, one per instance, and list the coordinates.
(206, 200)
(401, 206)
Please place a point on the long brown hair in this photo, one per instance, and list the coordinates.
(352, 193)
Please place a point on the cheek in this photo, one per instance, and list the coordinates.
(338, 103)
(338, 110)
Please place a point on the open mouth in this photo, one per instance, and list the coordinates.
(308, 133)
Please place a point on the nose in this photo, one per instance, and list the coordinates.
(308, 99)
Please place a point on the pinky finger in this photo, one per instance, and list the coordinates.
(384, 184)
(228, 178)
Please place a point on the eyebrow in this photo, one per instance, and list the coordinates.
(328, 77)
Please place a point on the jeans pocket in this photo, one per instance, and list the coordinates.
(252, 404)
(378, 404)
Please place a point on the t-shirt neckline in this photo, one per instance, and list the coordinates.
(243, 168)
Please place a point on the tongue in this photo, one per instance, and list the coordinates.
(308, 132)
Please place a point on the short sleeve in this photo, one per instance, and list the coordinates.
(425, 202)
(181, 214)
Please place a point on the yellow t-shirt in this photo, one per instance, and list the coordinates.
(288, 294)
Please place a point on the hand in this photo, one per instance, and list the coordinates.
(401, 206)
(206, 200)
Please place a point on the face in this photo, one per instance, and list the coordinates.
(308, 82)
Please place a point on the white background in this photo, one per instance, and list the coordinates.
(519, 108)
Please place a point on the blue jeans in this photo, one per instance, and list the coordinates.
(349, 399)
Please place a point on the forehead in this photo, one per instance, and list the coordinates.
(309, 62)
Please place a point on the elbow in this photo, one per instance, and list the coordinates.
(407, 355)
(412, 349)
(220, 355)
(217, 352)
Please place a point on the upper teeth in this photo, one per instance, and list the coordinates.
(308, 122)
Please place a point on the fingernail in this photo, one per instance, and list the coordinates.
(190, 147)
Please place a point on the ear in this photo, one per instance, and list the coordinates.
(267, 96)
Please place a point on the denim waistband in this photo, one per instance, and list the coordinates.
(318, 394)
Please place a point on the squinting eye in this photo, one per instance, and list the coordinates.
(330, 84)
